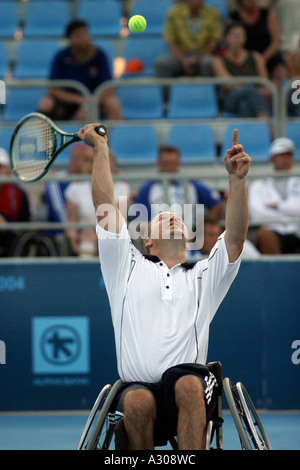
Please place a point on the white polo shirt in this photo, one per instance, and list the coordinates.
(161, 316)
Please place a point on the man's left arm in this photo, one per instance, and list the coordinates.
(237, 164)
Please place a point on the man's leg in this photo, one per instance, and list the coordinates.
(191, 427)
(267, 242)
(139, 418)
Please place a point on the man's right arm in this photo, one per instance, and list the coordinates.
(108, 215)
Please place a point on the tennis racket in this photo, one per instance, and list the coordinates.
(35, 144)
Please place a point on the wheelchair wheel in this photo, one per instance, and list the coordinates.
(248, 424)
(102, 432)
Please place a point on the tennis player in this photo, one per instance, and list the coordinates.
(162, 307)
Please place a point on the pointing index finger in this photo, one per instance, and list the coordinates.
(235, 139)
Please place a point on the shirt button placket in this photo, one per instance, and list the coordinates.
(168, 287)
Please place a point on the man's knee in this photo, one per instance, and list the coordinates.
(189, 391)
(139, 404)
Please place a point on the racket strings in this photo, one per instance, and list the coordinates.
(34, 145)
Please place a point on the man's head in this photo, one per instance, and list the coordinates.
(282, 153)
(4, 162)
(81, 160)
(168, 159)
(78, 34)
(194, 4)
(167, 229)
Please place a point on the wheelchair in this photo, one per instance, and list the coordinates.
(102, 433)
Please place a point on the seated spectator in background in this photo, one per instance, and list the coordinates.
(288, 15)
(211, 233)
(277, 200)
(85, 63)
(263, 36)
(152, 192)
(242, 100)
(14, 206)
(80, 207)
(192, 31)
(293, 64)
(55, 190)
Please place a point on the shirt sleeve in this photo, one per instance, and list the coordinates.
(56, 71)
(71, 193)
(115, 254)
(217, 276)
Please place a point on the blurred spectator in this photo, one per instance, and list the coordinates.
(14, 206)
(192, 31)
(263, 36)
(212, 231)
(152, 192)
(85, 63)
(288, 15)
(55, 190)
(275, 203)
(293, 64)
(80, 207)
(242, 100)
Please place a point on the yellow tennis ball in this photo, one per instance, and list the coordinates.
(137, 24)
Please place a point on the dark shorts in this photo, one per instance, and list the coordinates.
(164, 394)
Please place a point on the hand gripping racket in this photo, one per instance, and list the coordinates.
(35, 144)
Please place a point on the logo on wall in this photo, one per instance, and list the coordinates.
(60, 345)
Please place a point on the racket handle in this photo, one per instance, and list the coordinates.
(101, 130)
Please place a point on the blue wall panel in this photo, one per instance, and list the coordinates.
(55, 323)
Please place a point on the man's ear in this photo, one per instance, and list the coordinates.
(148, 244)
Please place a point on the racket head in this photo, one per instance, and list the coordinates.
(34, 146)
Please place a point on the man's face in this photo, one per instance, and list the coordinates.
(4, 170)
(80, 37)
(283, 161)
(169, 162)
(168, 225)
(195, 3)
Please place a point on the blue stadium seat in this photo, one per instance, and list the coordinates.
(5, 136)
(196, 143)
(155, 12)
(134, 145)
(21, 101)
(255, 138)
(4, 64)
(220, 5)
(293, 133)
(146, 50)
(103, 18)
(8, 19)
(141, 102)
(192, 101)
(33, 58)
(109, 48)
(47, 18)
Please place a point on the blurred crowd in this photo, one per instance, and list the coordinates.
(257, 38)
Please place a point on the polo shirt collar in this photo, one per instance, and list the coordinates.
(155, 259)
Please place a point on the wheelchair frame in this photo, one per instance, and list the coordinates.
(248, 424)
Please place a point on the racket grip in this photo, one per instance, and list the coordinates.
(101, 130)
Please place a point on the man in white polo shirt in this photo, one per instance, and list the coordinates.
(161, 307)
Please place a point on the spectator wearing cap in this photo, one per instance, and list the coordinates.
(274, 203)
(14, 205)
(81, 61)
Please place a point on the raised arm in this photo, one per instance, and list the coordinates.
(237, 164)
(108, 215)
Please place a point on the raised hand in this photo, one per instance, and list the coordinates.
(237, 162)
